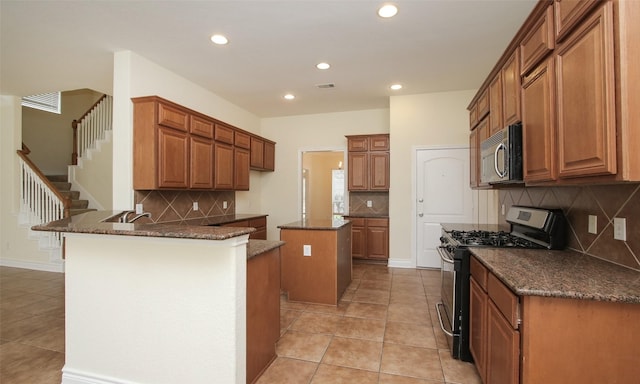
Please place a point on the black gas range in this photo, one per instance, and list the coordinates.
(534, 228)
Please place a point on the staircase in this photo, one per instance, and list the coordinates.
(62, 184)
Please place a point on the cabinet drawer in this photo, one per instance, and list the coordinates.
(242, 140)
(356, 221)
(223, 134)
(479, 273)
(379, 143)
(258, 223)
(242, 224)
(201, 127)
(537, 43)
(504, 299)
(173, 117)
(357, 144)
(378, 222)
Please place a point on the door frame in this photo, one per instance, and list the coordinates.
(301, 152)
(414, 193)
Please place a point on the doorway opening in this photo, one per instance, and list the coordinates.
(323, 184)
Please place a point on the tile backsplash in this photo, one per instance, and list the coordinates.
(379, 203)
(166, 206)
(603, 201)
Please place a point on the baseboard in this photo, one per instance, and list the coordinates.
(72, 376)
(395, 263)
(48, 267)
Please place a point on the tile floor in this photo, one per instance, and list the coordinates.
(383, 331)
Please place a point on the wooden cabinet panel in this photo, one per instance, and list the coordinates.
(503, 349)
(379, 171)
(358, 240)
(173, 161)
(257, 152)
(478, 327)
(223, 166)
(568, 13)
(377, 239)
(358, 171)
(241, 169)
(538, 43)
(483, 134)
(495, 104)
(358, 144)
(379, 143)
(479, 273)
(504, 299)
(539, 124)
(483, 105)
(511, 90)
(474, 159)
(201, 127)
(201, 163)
(173, 117)
(224, 134)
(242, 140)
(269, 156)
(473, 116)
(586, 98)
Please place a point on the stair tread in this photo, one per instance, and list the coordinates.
(61, 185)
(62, 178)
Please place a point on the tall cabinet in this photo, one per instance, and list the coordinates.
(368, 157)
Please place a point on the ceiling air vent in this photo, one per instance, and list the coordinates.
(326, 86)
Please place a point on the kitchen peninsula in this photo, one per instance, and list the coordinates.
(165, 303)
(316, 260)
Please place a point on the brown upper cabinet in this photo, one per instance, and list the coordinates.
(495, 104)
(262, 154)
(479, 109)
(177, 148)
(538, 43)
(511, 90)
(369, 162)
(569, 13)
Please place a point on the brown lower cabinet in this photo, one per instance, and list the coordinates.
(542, 340)
(259, 223)
(263, 311)
(369, 238)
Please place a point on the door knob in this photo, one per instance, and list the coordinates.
(420, 200)
(420, 214)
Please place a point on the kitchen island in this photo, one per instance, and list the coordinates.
(316, 260)
(164, 303)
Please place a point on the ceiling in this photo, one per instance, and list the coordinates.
(429, 46)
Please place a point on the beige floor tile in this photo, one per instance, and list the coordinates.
(377, 273)
(380, 285)
(395, 379)
(329, 374)
(303, 345)
(48, 304)
(50, 337)
(404, 272)
(457, 371)
(371, 296)
(367, 310)
(415, 289)
(361, 328)
(432, 290)
(18, 302)
(348, 295)
(20, 363)
(316, 323)
(416, 335)
(286, 304)
(441, 338)
(354, 353)
(407, 313)
(287, 317)
(407, 278)
(403, 360)
(339, 309)
(27, 326)
(288, 371)
(410, 298)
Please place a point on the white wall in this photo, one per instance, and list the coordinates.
(280, 189)
(135, 76)
(90, 175)
(435, 119)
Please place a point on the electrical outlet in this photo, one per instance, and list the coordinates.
(195, 206)
(620, 228)
(369, 203)
(139, 209)
(224, 205)
(502, 209)
(306, 250)
(593, 224)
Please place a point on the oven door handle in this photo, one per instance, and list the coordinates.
(438, 305)
(444, 255)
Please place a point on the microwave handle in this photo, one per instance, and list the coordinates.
(500, 146)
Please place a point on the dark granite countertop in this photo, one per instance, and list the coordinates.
(562, 274)
(316, 224)
(94, 223)
(367, 216)
(258, 247)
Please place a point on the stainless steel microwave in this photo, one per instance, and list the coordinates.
(501, 156)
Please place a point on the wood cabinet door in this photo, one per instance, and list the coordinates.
(223, 134)
(483, 134)
(242, 140)
(478, 328)
(358, 144)
(358, 171)
(483, 105)
(377, 239)
(474, 159)
(511, 90)
(495, 104)
(568, 13)
(269, 156)
(379, 143)
(538, 42)
(241, 169)
(173, 117)
(473, 116)
(503, 349)
(201, 163)
(379, 171)
(586, 98)
(358, 241)
(201, 127)
(223, 166)
(173, 158)
(257, 153)
(539, 124)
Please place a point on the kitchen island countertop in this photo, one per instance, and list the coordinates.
(318, 224)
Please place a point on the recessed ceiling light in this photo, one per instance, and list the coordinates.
(395, 87)
(323, 66)
(387, 10)
(219, 39)
(289, 96)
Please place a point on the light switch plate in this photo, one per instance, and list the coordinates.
(620, 228)
(593, 224)
(195, 206)
(224, 205)
(306, 250)
(139, 209)
(369, 203)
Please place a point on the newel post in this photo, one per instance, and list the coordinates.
(74, 154)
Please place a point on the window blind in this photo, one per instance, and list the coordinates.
(49, 102)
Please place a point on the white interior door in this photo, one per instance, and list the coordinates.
(443, 195)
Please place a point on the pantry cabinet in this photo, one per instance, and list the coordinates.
(369, 162)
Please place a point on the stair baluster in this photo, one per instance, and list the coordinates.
(91, 127)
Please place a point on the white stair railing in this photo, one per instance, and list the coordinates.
(40, 201)
(92, 127)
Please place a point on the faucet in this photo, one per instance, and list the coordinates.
(125, 216)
